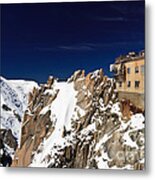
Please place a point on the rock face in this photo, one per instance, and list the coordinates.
(80, 124)
(128, 109)
(36, 125)
(7, 138)
(13, 103)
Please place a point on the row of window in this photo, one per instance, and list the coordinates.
(137, 83)
(137, 69)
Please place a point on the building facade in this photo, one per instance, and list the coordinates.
(129, 74)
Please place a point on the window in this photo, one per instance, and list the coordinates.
(120, 84)
(136, 69)
(129, 84)
(128, 70)
(142, 69)
(137, 84)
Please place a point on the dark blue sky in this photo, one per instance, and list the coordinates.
(58, 38)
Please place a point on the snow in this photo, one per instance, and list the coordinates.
(137, 121)
(89, 128)
(102, 141)
(45, 110)
(62, 109)
(128, 140)
(10, 122)
(116, 109)
(50, 92)
(95, 74)
(102, 161)
(63, 112)
(111, 67)
(63, 106)
(14, 94)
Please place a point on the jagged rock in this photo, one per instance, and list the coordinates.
(50, 81)
(77, 74)
(125, 105)
(35, 126)
(79, 83)
(68, 153)
(138, 166)
(7, 138)
(80, 96)
(129, 109)
(64, 132)
(94, 133)
(6, 108)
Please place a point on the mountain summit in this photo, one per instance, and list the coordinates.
(79, 124)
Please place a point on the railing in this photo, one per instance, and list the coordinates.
(119, 77)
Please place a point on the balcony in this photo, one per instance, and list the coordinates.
(119, 77)
(119, 72)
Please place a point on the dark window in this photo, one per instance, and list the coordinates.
(129, 84)
(128, 70)
(136, 69)
(137, 84)
(120, 84)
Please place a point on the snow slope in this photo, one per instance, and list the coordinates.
(77, 123)
(62, 110)
(64, 115)
(14, 96)
(63, 106)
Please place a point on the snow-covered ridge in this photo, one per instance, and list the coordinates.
(15, 93)
(76, 124)
(62, 111)
(13, 103)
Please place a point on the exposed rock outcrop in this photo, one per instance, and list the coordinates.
(13, 103)
(86, 131)
(36, 124)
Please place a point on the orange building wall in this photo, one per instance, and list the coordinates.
(132, 77)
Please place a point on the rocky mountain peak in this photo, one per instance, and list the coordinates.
(80, 124)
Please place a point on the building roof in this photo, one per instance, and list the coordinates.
(131, 56)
